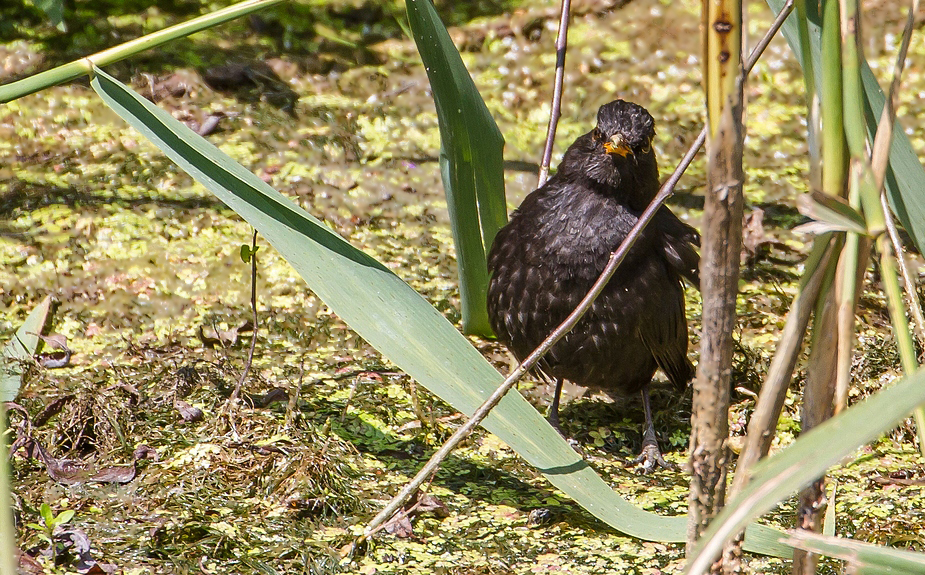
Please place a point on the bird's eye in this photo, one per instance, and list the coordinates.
(597, 134)
(646, 148)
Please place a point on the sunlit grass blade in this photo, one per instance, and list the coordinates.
(807, 458)
(82, 67)
(20, 349)
(830, 213)
(471, 161)
(396, 320)
(861, 557)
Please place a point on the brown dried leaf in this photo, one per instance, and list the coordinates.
(55, 340)
(51, 410)
(432, 504)
(72, 471)
(400, 525)
(115, 474)
(29, 566)
(262, 400)
(753, 231)
(144, 452)
(189, 413)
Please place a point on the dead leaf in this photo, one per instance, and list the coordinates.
(262, 400)
(188, 413)
(28, 565)
(420, 503)
(753, 230)
(223, 338)
(51, 410)
(400, 525)
(73, 471)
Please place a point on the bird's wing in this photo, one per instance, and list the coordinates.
(678, 241)
(664, 333)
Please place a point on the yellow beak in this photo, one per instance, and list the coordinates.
(617, 146)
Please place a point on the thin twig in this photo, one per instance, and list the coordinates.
(250, 353)
(908, 282)
(666, 190)
(555, 112)
(294, 392)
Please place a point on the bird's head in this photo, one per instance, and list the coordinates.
(618, 151)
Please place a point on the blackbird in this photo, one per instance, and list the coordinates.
(558, 242)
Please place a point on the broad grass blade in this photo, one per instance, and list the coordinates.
(19, 350)
(471, 161)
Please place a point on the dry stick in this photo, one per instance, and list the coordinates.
(250, 353)
(555, 112)
(615, 259)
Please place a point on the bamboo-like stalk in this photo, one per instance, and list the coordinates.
(834, 183)
(851, 276)
(834, 148)
(804, 11)
(722, 243)
(833, 327)
(7, 531)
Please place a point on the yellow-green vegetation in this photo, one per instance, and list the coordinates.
(142, 260)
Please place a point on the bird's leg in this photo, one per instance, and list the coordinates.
(651, 456)
(553, 416)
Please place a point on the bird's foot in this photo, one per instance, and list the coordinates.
(554, 422)
(650, 458)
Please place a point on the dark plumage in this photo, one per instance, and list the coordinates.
(546, 258)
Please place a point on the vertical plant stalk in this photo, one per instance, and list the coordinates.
(250, 352)
(912, 299)
(834, 148)
(806, 11)
(722, 248)
(834, 324)
(818, 393)
(7, 532)
(834, 183)
(556, 108)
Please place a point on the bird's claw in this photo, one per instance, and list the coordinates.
(650, 458)
(554, 422)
